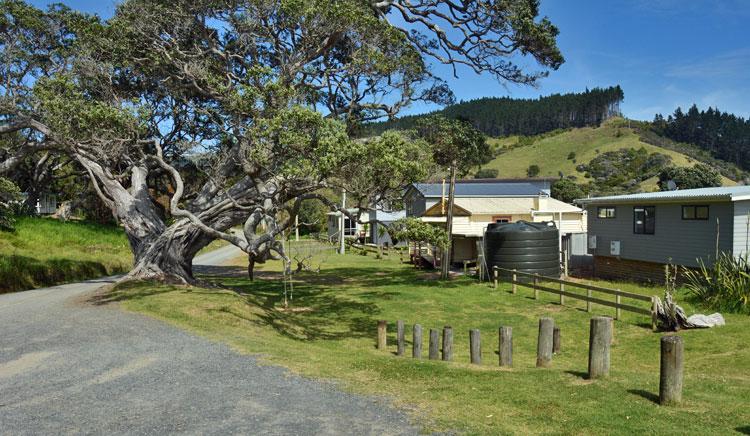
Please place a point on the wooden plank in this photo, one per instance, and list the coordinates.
(591, 299)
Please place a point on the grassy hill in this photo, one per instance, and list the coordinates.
(44, 252)
(550, 152)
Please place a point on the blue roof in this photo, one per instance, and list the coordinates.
(728, 193)
(480, 189)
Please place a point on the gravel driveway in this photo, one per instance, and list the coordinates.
(67, 366)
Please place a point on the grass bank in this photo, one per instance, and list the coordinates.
(330, 333)
(44, 252)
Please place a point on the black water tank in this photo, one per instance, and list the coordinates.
(527, 247)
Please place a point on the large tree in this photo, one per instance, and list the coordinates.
(240, 110)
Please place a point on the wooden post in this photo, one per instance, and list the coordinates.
(562, 297)
(565, 263)
(544, 344)
(670, 377)
(494, 273)
(588, 303)
(447, 343)
(506, 346)
(556, 340)
(416, 343)
(381, 335)
(400, 335)
(536, 291)
(475, 346)
(514, 288)
(654, 315)
(612, 328)
(434, 344)
(464, 267)
(600, 333)
(618, 311)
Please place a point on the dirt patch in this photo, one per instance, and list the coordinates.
(26, 362)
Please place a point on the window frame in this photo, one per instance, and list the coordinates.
(645, 227)
(505, 218)
(600, 208)
(695, 212)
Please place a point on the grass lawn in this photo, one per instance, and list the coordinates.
(551, 153)
(331, 331)
(44, 252)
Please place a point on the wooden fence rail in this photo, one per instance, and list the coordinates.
(588, 298)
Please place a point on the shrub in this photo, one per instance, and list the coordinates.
(486, 173)
(533, 171)
(724, 286)
(572, 156)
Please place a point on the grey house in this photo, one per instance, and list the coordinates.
(634, 236)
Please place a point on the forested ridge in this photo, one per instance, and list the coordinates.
(503, 116)
(726, 136)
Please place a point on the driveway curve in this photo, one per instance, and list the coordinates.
(67, 366)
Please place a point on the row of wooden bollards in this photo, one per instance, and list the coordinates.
(548, 344)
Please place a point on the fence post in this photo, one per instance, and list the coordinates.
(562, 297)
(556, 340)
(434, 344)
(544, 343)
(381, 335)
(447, 343)
(536, 291)
(506, 346)
(494, 273)
(514, 288)
(670, 377)
(400, 335)
(416, 346)
(588, 302)
(618, 311)
(654, 314)
(600, 333)
(475, 346)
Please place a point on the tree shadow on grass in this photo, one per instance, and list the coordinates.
(335, 304)
(745, 429)
(19, 273)
(645, 394)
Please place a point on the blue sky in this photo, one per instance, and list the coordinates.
(664, 54)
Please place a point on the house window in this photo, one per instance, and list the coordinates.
(605, 212)
(501, 219)
(695, 213)
(644, 220)
(350, 227)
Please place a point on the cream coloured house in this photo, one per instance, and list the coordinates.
(479, 203)
(472, 215)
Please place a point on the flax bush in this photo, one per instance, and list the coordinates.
(724, 286)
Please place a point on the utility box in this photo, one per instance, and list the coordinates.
(614, 248)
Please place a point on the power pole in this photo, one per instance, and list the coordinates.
(342, 250)
(445, 265)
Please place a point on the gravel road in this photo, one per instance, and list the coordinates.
(67, 366)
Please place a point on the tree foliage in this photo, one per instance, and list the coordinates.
(190, 117)
(566, 190)
(699, 176)
(620, 171)
(506, 116)
(415, 230)
(455, 142)
(10, 195)
(486, 173)
(725, 136)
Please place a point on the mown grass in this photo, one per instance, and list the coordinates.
(44, 252)
(331, 334)
(551, 153)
